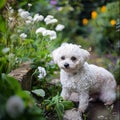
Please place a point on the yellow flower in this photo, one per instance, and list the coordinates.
(93, 14)
(103, 9)
(113, 22)
(85, 21)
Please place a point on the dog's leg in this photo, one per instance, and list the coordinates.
(83, 101)
(108, 97)
(108, 92)
(65, 93)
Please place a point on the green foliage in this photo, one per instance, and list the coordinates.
(39, 92)
(16, 47)
(2, 3)
(58, 104)
(117, 71)
(2, 26)
(104, 36)
(9, 87)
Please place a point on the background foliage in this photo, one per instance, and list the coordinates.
(90, 23)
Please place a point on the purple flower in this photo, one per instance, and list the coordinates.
(53, 2)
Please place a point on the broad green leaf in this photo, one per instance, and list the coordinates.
(2, 3)
(67, 104)
(2, 24)
(39, 92)
(12, 82)
(59, 109)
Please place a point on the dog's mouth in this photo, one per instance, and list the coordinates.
(68, 69)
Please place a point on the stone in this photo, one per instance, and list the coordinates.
(72, 114)
(23, 75)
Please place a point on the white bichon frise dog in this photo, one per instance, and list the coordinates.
(78, 76)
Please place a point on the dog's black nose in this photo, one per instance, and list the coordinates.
(66, 65)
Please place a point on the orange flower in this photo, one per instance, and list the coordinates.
(103, 9)
(85, 21)
(113, 22)
(93, 14)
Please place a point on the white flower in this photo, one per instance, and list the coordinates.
(5, 50)
(11, 55)
(23, 35)
(53, 35)
(38, 17)
(15, 106)
(42, 72)
(24, 14)
(50, 19)
(49, 16)
(28, 22)
(29, 4)
(29, 18)
(11, 18)
(59, 27)
(40, 30)
(20, 10)
(11, 10)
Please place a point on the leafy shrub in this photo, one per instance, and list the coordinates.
(103, 34)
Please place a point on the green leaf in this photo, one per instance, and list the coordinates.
(67, 104)
(2, 3)
(39, 92)
(12, 82)
(26, 96)
(59, 109)
(2, 25)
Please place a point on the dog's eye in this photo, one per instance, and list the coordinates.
(73, 58)
(63, 57)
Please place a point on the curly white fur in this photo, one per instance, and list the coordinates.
(78, 76)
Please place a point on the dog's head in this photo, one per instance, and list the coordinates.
(70, 57)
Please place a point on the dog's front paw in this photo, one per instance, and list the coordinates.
(81, 110)
(65, 97)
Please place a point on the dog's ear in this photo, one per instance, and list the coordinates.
(55, 54)
(84, 54)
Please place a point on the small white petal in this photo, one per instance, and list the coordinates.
(40, 30)
(51, 21)
(24, 14)
(42, 72)
(29, 4)
(59, 27)
(23, 35)
(5, 50)
(38, 17)
(28, 22)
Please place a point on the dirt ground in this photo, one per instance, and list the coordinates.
(98, 111)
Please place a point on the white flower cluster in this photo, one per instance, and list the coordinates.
(59, 27)
(46, 32)
(26, 16)
(49, 19)
(42, 72)
(38, 17)
(15, 106)
(23, 36)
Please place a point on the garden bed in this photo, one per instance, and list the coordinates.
(96, 110)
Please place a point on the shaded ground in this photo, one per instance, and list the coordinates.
(98, 111)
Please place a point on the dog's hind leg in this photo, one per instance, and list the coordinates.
(108, 93)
